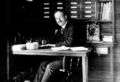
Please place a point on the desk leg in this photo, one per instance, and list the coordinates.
(8, 59)
(85, 68)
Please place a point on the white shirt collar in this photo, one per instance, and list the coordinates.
(64, 25)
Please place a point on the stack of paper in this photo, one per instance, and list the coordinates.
(102, 50)
(52, 45)
(60, 48)
(108, 38)
(78, 48)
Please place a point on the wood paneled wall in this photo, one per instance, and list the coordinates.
(117, 45)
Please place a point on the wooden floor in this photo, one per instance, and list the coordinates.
(100, 69)
(99, 76)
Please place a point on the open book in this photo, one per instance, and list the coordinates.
(60, 48)
(69, 48)
(78, 48)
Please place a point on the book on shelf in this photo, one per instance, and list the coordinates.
(105, 11)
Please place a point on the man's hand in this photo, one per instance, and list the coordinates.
(56, 30)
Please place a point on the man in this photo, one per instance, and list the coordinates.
(63, 37)
(64, 34)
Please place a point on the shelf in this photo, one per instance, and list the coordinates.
(97, 21)
(104, 1)
(101, 21)
(101, 43)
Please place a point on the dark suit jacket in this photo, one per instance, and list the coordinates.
(66, 37)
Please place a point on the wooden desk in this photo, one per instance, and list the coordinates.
(49, 52)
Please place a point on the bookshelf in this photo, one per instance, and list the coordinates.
(102, 16)
(98, 10)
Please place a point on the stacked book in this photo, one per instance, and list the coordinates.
(106, 10)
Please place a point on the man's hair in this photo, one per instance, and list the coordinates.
(64, 13)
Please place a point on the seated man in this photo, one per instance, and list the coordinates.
(63, 37)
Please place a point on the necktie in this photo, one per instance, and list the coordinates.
(62, 30)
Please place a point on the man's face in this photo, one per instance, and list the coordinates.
(60, 18)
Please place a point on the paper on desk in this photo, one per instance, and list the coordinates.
(52, 45)
(18, 47)
(78, 48)
(60, 48)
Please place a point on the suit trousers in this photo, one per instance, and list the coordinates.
(47, 70)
